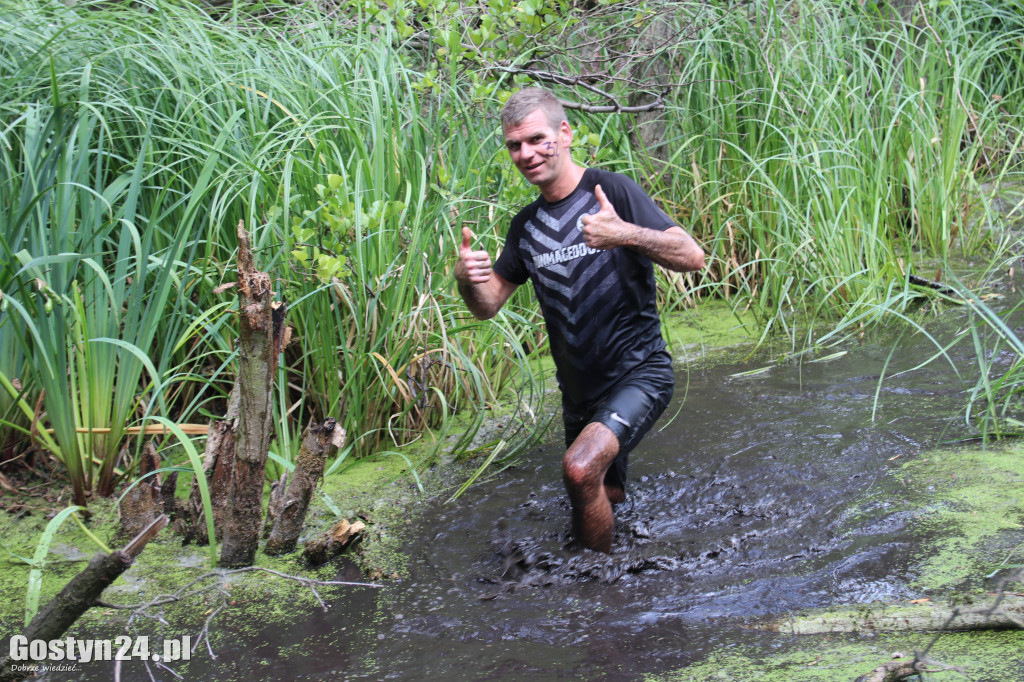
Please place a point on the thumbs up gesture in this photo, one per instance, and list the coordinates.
(604, 229)
(474, 267)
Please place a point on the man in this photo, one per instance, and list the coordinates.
(587, 243)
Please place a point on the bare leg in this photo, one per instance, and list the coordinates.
(583, 469)
(615, 494)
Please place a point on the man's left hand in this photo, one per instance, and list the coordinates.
(605, 229)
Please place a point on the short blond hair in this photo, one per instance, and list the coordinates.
(526, 101)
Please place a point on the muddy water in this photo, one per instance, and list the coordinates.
(765, 494)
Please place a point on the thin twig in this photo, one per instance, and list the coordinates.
(186, 591)
(182, 594)
(204, 632)
(161, 665)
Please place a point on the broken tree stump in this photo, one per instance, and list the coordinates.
(81, 594)
(277, 490)
(144, 503)
(319, 442)
(261, 336)
(168, 488)
(217, 460)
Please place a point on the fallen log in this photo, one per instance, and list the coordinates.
(80, 594)
(320, 442)
(320, 549)
(928, 284)
(1007, 613)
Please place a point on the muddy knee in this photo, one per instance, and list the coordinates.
(587, 460)
(579, 475)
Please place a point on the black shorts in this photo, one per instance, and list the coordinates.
(629, 409)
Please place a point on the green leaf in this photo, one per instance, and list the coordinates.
(35, 576)
(200, 477)
(530, 7)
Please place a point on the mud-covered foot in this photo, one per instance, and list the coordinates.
(615, 495)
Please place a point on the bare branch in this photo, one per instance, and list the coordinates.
(219, 584)
(616, 108)
(582, 81)
(183, 593)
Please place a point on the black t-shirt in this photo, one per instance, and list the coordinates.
(600, 307)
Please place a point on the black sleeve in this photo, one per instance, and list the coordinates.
(509, 264)
(632, 203)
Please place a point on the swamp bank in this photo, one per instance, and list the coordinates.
(833, 158)
(797, 491)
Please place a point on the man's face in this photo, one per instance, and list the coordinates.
(539, 151)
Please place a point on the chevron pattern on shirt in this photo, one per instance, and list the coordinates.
(570, 278)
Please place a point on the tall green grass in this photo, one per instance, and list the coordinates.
(823, 154)
(133, 143)
(820, 154)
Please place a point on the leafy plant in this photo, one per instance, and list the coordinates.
(820, 156)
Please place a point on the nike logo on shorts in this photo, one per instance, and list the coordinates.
(616, 417)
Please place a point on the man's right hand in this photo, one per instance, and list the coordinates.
(474, 267)
(483, 291)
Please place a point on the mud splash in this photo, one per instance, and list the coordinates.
(756, 495)
(765, 494)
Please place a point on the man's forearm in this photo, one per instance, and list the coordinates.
(481, 299)
(673, 248)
